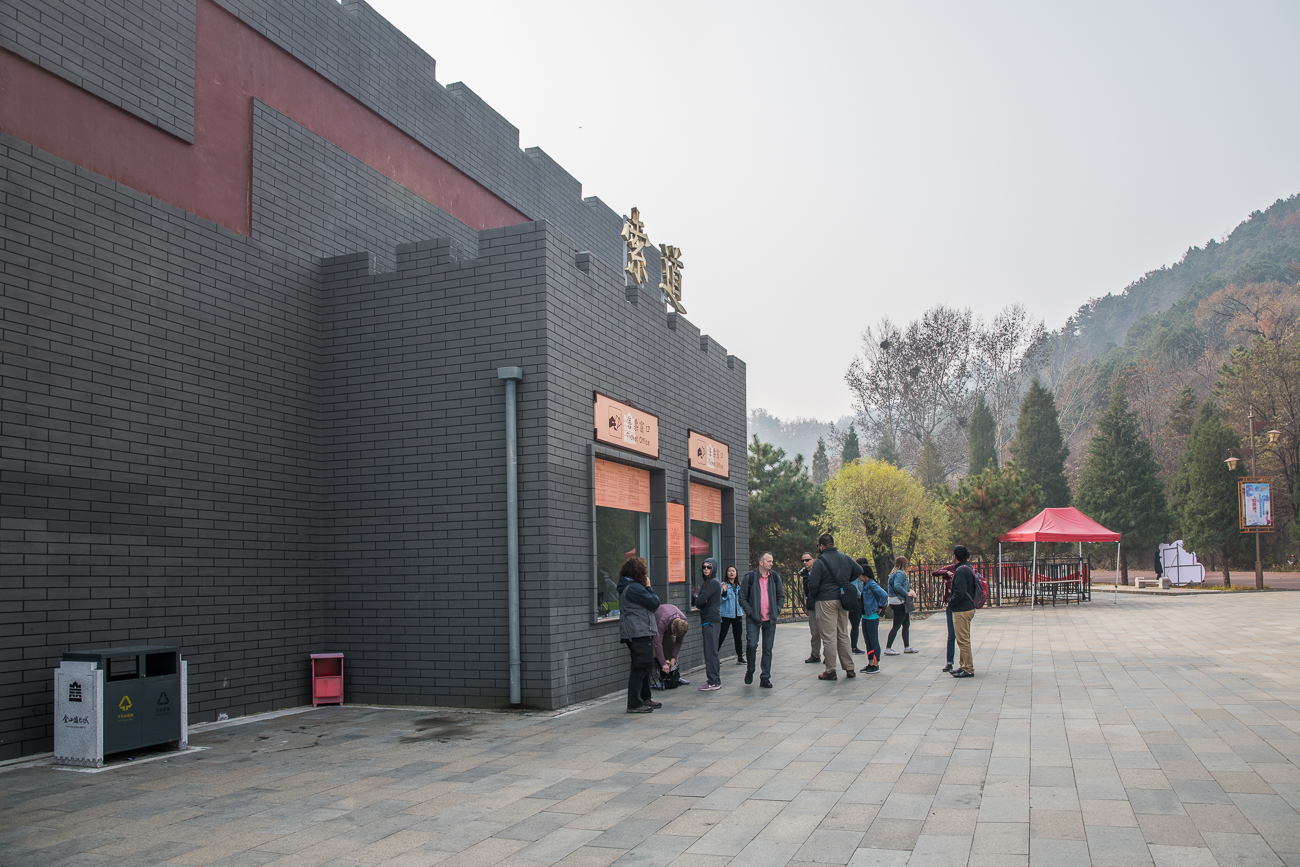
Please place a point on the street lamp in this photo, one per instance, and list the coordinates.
(1232, 461)
(1250, 426)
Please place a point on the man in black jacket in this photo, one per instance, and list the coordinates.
(962, 605)
(762, 596)
(831, 577)
(810, 608)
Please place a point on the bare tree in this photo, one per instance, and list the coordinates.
(915, 383)
(1008, 350)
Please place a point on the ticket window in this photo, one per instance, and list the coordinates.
(706, 531)
(622, 527)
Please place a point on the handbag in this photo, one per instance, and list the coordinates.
(910, 605)
(643, 651)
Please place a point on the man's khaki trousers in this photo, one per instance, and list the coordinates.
(961, 625)
(833, 624)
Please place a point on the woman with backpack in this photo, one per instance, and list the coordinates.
(874, 598)
(900, 596)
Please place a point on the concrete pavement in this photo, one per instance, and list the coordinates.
(1153, 731)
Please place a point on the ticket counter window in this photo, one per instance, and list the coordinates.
(706, 531)
(622, 527)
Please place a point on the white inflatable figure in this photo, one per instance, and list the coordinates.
(1181, 566)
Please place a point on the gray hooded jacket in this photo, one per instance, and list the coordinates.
(709, 597)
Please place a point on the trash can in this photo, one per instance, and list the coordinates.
(113, 699)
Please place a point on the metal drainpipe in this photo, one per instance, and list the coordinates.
(512, 376)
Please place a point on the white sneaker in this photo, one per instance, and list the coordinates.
(908, 650)
(889, 651)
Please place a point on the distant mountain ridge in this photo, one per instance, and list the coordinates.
(797, 436)
(1259, 249)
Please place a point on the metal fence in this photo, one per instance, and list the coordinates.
(1061, 579)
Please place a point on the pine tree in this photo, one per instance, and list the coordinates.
(987, 504)
(983, 434)
(821, 468)
(851, 452)
(1038, 448)
(782, 505)
(929, 468)
(1118, 487)
(1204, 497)
(887, 451)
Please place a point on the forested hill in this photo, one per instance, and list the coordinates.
(1260, 249)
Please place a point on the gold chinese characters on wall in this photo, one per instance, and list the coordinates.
(670, 257)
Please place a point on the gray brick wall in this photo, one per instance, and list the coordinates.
(263, 447)
(415, 418)
(137, 54)
(356, 48)
(158, 433)
(313, 200)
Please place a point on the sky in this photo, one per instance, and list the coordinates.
(822, 165)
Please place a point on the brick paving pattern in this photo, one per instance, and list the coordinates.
(1152, 731)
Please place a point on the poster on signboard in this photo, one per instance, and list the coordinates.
(1255, 501)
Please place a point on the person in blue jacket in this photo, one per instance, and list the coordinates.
(874, 598)
(731, 614)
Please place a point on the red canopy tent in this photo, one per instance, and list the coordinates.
(1060, 525)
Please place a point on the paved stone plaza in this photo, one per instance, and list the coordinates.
(1150, 731)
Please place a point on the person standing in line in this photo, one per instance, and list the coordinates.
(874, 598)
(731, 614)
(832, 576)
(670, 631)
(762, 596)
(946, 574)
(855, 621)
(962, 606)
(707, 601)
(637, 604)
(900, 591)
(810, 609)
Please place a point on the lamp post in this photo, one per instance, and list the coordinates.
(1273, 437)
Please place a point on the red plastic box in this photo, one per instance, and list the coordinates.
(326, 678)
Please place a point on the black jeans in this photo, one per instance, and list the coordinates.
(638, 681)
(853, 629)
(767, 629)
(901, 619)
(732, 623)
(952, 635)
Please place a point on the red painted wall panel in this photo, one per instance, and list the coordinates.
(233, 64)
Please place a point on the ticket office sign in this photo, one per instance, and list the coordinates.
(708, 455)
(623, 425)
(1255, 504)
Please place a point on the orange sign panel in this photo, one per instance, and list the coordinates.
(708, 455)
(626, 426)
(706, 504)
(676, 543)
(622, 487)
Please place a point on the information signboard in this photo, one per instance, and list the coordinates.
(623, 425)
(707, 454)
(1255, 504)
(676, 543)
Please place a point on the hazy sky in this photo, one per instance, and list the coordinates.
(824, 164)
